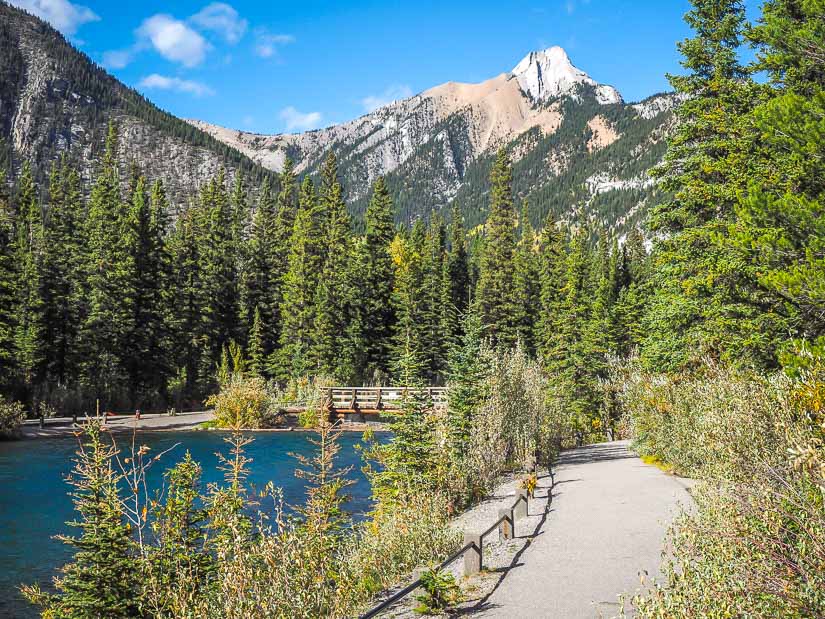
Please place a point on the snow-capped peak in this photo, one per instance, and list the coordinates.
(549, 73)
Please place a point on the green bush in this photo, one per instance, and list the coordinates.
(244, 402)
(12, 415)
(755, 544)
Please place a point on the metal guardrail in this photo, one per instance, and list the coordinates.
(506, 525)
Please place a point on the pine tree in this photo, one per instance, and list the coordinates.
(261, 289)
(8, 289)
(468, 370)
(333, 295)
(298, 309)
(779, 229)
(496, 300)
(144, 240)
(701, 304)
(434, 325)
(101, 581)
(526, 283)
(574, 360)
(457, 273)
(376, 311)
(256, 351)
(552, 273)
(411, 329)
(107, 320)
(62, 265)
(30, 243)
(219, 279)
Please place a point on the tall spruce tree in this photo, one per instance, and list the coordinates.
(779, 232)
(30, 244)
(496, 299)
(527, 287)
(260, 291)
(8, 289)
(298, 308)
(375, 310)
(333, 296)
(552, 274)
(701, 305)
(457, 274)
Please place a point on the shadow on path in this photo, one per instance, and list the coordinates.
(482, 604)
(601, 452)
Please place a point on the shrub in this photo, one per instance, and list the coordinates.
(440, 592)
(755, 544)
(244, 402)
(12, 415)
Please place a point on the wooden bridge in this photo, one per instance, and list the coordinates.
(341, 401)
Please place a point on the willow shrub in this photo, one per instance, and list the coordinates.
(12, 415)
(755, 544)
(244, 402)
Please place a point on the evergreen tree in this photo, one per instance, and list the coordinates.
(107, 322)
(8, 289)
(457, 273)
(256, 351)
(62, 265)
(468, 371)
(411, 329)
(779, 231)
(219, 279)
(701, 305)
(29, 326)
(101, 581)
(146, 364)
(300, 283)
(333, 295)
(261, 289)
(526, 283)
(434, 324)
(496, 298)
(376, 312)
(552, 274)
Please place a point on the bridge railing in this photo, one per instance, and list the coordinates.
(376, 399)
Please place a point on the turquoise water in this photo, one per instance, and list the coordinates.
(34, 505)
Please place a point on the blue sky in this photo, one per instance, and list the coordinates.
(289, 66)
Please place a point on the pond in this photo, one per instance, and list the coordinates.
(34, 504)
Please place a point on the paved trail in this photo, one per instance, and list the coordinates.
(606, 525)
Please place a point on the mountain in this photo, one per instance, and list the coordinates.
(579, 150)
(55, 100)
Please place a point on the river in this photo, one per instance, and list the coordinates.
(34, 504)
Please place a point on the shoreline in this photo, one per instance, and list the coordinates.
(161, 422)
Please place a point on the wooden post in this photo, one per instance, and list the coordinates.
(379, 404)
(520, 510)
(74, 418)
(42, 421)
(472, 556)
(505, 528)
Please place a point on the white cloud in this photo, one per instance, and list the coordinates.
(267, 44)
(393, 93)
(223, 19)
(61, 14)
(173, 39)
(293, 119)
(162, 82)
(117, 58)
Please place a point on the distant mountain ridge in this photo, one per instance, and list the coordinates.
(55, 100)
(435, 147)
(579, 150)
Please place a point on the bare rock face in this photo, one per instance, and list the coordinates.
(552, 116)
(54, 101)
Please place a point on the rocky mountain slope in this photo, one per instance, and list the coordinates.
(55, 100)
(579, 150)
